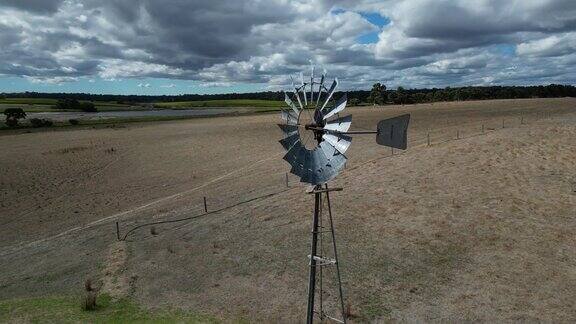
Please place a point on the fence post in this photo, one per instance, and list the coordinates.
(428, 139)
(457, 134)
(205, 206)
(392, 150)
(482, 128)
(502, 123)
(117, 231)
(286, 179)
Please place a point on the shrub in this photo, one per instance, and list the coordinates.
(12, 116)
(88, 107)
(37, 122)
(67, 104)
(73, 104)
(349, 313)
(73, 121)
(91, 293)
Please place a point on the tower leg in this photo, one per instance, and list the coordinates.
(318, 259)
(335, 255)
(312, 275)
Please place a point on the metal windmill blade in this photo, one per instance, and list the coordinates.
(338, 107)
(330, 93)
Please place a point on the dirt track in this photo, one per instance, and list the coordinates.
(475, 229)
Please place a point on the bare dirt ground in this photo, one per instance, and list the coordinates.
(479, 228)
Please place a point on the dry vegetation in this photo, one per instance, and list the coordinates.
(481, 228)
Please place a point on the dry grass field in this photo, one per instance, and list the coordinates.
(475, 227)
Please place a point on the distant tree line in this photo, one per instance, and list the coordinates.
(378, 95)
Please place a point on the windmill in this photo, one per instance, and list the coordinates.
(316, 138)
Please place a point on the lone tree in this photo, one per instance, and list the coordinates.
(377, 94)
(12, 116)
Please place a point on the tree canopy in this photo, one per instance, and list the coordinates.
(377, 94)
(12, 116)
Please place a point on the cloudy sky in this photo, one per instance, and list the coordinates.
(215, 46)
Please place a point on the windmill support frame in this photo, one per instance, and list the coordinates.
(318, 261)
(317, 166)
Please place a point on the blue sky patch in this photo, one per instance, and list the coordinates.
(369, 38)
(139, 86)
(375, 18)
(505, 49)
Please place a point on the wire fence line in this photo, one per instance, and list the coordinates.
(276, 181)
(272, 179)
(206, 213)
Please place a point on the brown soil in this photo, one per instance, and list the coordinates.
(480, 228)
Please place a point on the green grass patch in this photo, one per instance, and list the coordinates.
(29, 101)
(44, 108)
(125, 120)
(69, 310)
(46, 104)
(107, 107)
(24, 124)
(220, 103)
(27, 108)
(110, 104)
